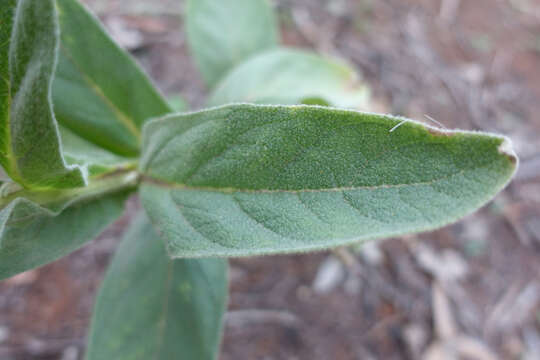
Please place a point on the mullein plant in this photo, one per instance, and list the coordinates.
(259, 172)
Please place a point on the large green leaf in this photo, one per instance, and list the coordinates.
(31, 235)
(246, 179)
(288, 76)
(151, 307)
(222, 34)
(30, 149)
(99, 92)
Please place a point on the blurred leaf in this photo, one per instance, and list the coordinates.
(288, 76)
(315, 101)
(246, 180)
(222, 34)
(151, 307)
(99, 92)
(177, 103)
(30, 149)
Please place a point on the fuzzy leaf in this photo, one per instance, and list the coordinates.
(99, 92)
(7, 15)
(222, 34)
(32, 235)
(30, 149)
(245, 179)
(97, 160)
(37, 227)
(183, 303)
(288, 76)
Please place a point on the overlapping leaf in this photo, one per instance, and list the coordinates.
(37, 227)
(30, 150)
(97, 160)
(99, 93)
(222, 34)
(151, 307)
(45, 212)
(31, 236)
(245, 179)
(289, 76)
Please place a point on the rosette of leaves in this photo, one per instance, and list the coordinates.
(80, 132)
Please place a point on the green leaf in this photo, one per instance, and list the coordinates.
(222, 34)
(289, 76)
(177, 103)
(245, 179)
(37, 227)
(99, 92)
(7, 15)
(97, 160)
(31, 235)
(151, 307)
(30, 149)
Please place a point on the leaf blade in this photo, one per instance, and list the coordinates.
(113, 95)
(221, 34)
(30, 147)
(98, 161)
(271, 179)
(289, 76)
(32, 236)
(184, 301)
(37, 227)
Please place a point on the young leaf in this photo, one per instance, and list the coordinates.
(222, 34)
(246, 179)
(151, 307)
(288, 76)
(99, 92)
(29, 141)
(32, 236)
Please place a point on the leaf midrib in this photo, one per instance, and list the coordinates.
(123, 118)
(164, 310)
(14, 171)
(65, 198)
(230, 190)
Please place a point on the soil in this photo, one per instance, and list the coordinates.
(468, 291)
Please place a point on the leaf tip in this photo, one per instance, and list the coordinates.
(505, 148)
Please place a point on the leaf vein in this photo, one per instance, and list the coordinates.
(123, 118)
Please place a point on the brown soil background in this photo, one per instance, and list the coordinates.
(467, 291)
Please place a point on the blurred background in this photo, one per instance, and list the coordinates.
(467, 291)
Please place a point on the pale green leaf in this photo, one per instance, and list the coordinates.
(30, 150)
(222, 34)
(177, 103)
(32, 236)
(151, 307)
(245, 179)
(289, 76)
(96, 159)
(99, 92)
